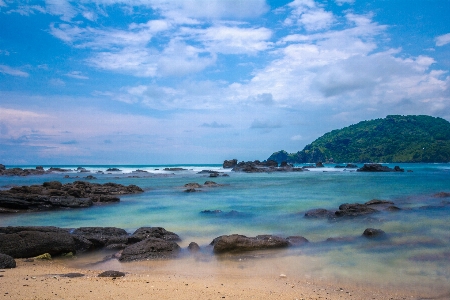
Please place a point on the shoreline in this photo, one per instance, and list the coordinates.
(188, 279)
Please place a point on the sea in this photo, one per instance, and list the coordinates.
(414, 252)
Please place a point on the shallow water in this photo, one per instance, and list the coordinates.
(415, 251)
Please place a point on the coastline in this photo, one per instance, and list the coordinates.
(188, 279)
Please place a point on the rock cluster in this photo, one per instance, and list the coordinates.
(379, 168)
(347, 210)
(55, 195)
(26, 172)
(260, 167)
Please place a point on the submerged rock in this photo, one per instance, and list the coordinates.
(239, 243)
(296, 240)
(372, 232)
(319, 213)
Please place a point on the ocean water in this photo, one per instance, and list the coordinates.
(414, 253)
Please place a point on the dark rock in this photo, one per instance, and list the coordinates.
(2, 167)
(31, 243)
(211, 184)
(319, 213)
(228, 164)
(239, 243)
(7, 262)
(111, 273)
(217, 211)
(378, 202)
(191, 190)
(101, 236)
(58, 170)
(379, 168)
(90, 177)
(193, 247)
(174, 169)
(82, 244)
(215, 174)
(392, 208)
(351, 166)
(54, 195)
(192, 185)
(441, 195)
(258, 167)
(116, 246)
(340, 239)
(296, 240)
(152, 232)
(319, 164)
(72, 275)
(372, 232)
(354, 210)
(151, 248)
(113, 170)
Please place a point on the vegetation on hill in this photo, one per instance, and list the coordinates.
(392, 139)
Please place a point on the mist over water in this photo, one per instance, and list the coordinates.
(415, 251)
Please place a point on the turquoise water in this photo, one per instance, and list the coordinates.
(416, 250)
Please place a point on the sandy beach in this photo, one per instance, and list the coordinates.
(186, 279)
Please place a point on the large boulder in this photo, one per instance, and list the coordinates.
(99, 237)
(319, 213)
(379, 168)
(354, 210)
(228, 164)
(239, 243)
(7, 262)
(21, 242)
(151, 248)
(152, 232)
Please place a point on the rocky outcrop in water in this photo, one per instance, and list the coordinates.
(239, 243)
(55, 195)
(262, 167)
(99, 237)
(152, 232)
(379, 168)
(27, 172)
(352, 210)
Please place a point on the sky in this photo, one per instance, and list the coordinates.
(201, 81)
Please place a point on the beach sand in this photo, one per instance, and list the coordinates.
(184, 279)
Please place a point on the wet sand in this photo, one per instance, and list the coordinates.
(187, 279)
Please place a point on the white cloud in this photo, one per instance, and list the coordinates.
(308, 14)
(57, 82)
(342, 2)
(61, 8)
(13, 72)
(443, 40)
(77, 75)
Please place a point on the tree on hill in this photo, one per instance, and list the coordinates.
(392, 139)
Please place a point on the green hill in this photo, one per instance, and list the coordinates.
(392, 139)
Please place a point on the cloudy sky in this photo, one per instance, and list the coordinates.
(200, 81)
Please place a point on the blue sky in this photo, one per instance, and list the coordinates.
(200, 81)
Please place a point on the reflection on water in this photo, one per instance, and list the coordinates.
(415, 251)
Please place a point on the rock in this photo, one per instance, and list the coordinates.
(2, 167)
(379, 168)
(72, 275)
(193, 247)
(296, 240)
(58, 170)
(441, 195)
(378, 202)
(215, 174)
(371, 232)
(239, 243)
(90, 177)
(101, 237)
(228, 164)
(151, 248)
(191, 190)
(319, 164)
(152, 232)
(54, 195)
(351, 166)
(111, 273)
(211, 184)
(6, 261)
(113, 170)
(30, 243)
(192, 185)
(318, 213)
(174, 169)
(354, 210)
(211, 212)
